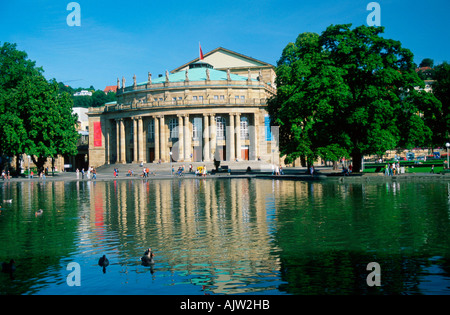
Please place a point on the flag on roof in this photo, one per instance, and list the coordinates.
(201, 52)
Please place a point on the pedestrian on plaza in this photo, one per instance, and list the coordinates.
(82, 173)
(432, 169)
(78, 173)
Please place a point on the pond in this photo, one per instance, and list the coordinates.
(225, 236)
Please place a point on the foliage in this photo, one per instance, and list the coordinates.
(441, 89)
(36, 117)
(98, 98)
(348, 92)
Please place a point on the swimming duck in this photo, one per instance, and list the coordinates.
(7, 201)
(147, 259)
(103, 262)
(39, 212)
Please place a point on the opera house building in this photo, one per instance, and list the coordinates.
(214, 108)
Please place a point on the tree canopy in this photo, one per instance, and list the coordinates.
(441, 89)
(36, 117)
(348, 93)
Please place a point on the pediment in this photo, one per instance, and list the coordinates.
(221, 58)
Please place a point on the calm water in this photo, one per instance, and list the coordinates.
(226, 237)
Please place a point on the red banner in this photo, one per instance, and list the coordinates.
(97, 134)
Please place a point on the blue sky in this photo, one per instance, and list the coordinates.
(123, 38)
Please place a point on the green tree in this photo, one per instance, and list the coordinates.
(441, 89)
(427, 62)
(347, 92)
(36, 117)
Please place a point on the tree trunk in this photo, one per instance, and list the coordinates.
(303, 161)
(356, 161)
(39, 163)
(335, 165)
(18, 169)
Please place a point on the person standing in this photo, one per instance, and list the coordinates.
(78, 173)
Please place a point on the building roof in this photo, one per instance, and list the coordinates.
(198, 74)
(110, 88)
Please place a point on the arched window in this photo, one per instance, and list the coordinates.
(244, 128)
(173, 128)
(220, 127)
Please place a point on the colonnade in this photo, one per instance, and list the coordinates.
(162, 145)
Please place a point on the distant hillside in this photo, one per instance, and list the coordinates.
(98, 98)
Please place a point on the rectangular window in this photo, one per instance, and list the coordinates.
(151, 131)
(267, 128)
(216, 97)
(197, 128)
(194, 98)
(222, 97)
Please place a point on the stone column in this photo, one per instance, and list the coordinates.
(135, 140)
(162, 139)
(206, 151)
(180, 139)
(141, 142)
(107, 145)
(212, 129)
(232, 136)
(253, 133)
(237, 130)
(123, 159)
(117, 140)
(187, 139)
(156, 139)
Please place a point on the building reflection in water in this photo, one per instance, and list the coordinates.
(212, 231)
(233, 235)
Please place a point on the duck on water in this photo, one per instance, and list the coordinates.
(147, 259)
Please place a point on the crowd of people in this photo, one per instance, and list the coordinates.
(88, 173)
(391, 169)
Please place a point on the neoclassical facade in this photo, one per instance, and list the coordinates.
(195, 113)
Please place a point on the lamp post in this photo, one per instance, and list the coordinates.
(447, 145)
(171, 173)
